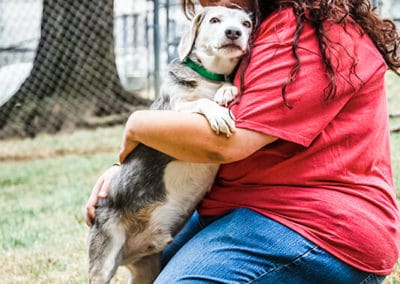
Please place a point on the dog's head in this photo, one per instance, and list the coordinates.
(217, 31)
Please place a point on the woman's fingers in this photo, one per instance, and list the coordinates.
(100, 190)
(91, 203)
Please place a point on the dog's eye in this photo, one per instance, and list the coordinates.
(214, 20)
(247, 24)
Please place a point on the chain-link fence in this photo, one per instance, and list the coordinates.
(71, 64)
(81, 63)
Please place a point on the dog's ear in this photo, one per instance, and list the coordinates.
(187, 41)
(105, 251)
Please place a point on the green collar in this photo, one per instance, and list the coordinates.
(204, 72)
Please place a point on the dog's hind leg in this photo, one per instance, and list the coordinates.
(105, 252)
(146, 270)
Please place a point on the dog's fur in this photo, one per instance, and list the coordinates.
(152, 195)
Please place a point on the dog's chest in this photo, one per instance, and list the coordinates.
(185, 184)
(206, 89)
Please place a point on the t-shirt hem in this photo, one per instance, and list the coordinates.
(322, 245)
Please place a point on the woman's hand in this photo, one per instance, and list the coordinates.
(100, 190)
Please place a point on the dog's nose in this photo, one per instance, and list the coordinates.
(232, 33)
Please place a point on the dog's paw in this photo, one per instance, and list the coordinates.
(225, 94)
(221, 121)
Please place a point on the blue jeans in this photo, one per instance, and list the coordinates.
(246, 247)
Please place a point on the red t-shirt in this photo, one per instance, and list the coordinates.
(329, 176)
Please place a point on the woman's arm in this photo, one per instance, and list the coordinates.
(188, 137)
(184, 136)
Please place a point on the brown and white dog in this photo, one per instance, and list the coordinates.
(152, 195)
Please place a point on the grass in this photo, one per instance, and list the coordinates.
(42, 227)
(80, 142)
(44, 185)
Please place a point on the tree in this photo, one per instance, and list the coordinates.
(74, 76)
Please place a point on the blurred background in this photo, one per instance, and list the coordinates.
(71, 72)
(71, 64)
(66, 65)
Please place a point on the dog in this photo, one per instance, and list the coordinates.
(152, 195)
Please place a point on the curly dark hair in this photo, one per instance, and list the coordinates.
(316, 12)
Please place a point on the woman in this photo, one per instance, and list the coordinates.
(305, 193)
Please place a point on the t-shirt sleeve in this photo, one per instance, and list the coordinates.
(261, 106)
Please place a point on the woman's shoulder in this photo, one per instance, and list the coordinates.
(279, 25)
(345, 38)
(284, 22)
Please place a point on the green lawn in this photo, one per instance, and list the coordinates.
(44, 185)
(42, 227)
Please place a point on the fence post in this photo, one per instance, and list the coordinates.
(156, 36)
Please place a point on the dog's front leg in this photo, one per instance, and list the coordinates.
(225, 94)
(146, 270)
(220, 118)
